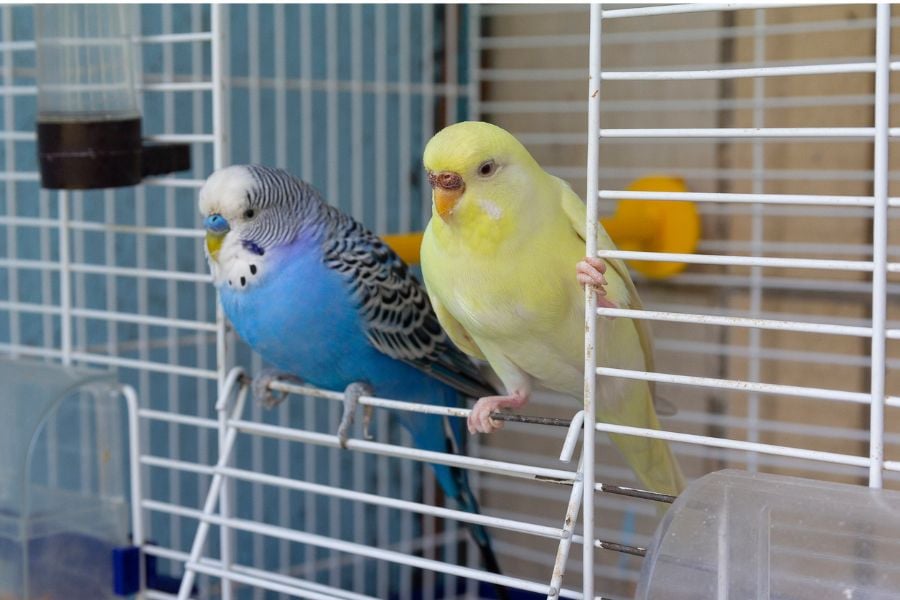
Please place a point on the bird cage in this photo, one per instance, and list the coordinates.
(774, 332)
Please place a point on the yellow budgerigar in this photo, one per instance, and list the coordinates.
(503, 261)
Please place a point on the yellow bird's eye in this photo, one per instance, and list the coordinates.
(249, 213)
(487, 168)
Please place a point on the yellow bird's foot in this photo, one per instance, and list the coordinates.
(480, 420)
(589, 271)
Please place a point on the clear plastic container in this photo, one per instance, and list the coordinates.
(62, 482)
(748, 536)
(85, 62)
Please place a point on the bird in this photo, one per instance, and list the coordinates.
(327, 302)
(497, 260)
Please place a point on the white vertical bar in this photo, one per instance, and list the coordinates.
(65, 291)
(284, 466)
(428, 110)
(134, 470)
(357, 206)
(217, 66)
(332, 43)
(381, 212)
(217, 63)
(306, 136)
(451, 54)
(255, 121)
(428, 91)
(80, 301)
(201, 291)
(879, 240)
(474, 41)
(590, 317)
(756, 225)
(172, 402)
(405, 67)
(11, 199)
(306, 113)
(280, 89)
(356, 112)
(49, 342)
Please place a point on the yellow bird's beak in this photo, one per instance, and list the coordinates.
(216, 229)
(448, 187)
(214, 244)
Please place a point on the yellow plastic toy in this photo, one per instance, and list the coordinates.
(639, 225)
(655, 226)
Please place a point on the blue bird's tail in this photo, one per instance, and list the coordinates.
(441, 434)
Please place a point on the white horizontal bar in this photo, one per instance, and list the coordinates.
(105, 315)
(178, 182)
(118, 361)
(19, 263)
(19, 90)
(532, 41)
(738, 385)
(176, 465)
(743, 261)
(558, 476)
(727, 198)
(18, 136)
(496, 10)
(743, 132)
(675, 75)
(30, 350)
(374, 499)
(704, 440)
(18, 46)
(677, 9)
(28, 307)
(892, 465)
(182, 557)
(20, 176)
(186, 138)
(534, 106)
(137, 230)
(531, 74)
(355, 86)
(136, 272)
(177, 86)
(354, 548)
(706, 319)
(169, 38)
(776, 283)
(170, 417)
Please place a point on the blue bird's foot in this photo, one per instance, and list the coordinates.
(352, 394)
(264, 395)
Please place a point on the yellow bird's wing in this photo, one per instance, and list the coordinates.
(456, 332)
(575, 210)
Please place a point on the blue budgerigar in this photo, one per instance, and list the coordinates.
(324, 300)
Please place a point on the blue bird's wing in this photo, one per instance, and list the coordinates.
(397, 316)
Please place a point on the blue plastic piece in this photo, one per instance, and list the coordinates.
(126, 570)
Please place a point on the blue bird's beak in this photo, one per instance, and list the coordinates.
(216, 228)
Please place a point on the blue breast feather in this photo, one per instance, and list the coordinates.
(300, 317)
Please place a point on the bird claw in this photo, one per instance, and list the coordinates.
(480, 420)
(264, 395)
(590, 272)
(352, 394)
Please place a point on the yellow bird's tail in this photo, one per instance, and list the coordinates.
(651, 460)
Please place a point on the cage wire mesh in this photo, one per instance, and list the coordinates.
(770, 115)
